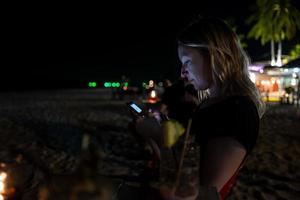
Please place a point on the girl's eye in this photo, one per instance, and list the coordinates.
(187, 63)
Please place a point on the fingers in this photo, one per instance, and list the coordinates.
(139, 119)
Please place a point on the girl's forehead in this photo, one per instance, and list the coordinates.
(187, 51)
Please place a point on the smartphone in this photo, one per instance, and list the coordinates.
(135, 108)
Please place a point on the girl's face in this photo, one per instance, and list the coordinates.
(196, 67)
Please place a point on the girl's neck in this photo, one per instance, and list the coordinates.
(214, 91)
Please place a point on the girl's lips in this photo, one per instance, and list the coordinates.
(187, 82)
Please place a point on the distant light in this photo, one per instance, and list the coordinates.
(126, 84)
(273, 80)
(153, 94)
(261, 71)
(293, 82)
(144, 85)
(265, 82)
(294, 75)
(151, 83)
(3, 176)
(92, 84)
(1, 187)
(107, 84)
(278, 63)
(252, 77)
(286, 70)
(118, 84)
(160, 84)
(273, 63)
(256, 68)
(296, 70)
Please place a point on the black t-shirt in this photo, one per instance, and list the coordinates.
(173, 98)
(235, 117)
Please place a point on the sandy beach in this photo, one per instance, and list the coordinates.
(41, 132)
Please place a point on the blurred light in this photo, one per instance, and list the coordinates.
(271, 99)
(92, 84)
(1, 187)
(107, 84)
(285, 60)
(294, 75)
(286, 95)
(293, 82)
(261, 71)
(153, 94)
(265, 82)
(256, 68)
(125, 88)
(152, 100)
(273, 80)
(126, 84)
(3, 176)
(296, 70)
(144, 85)
(118, 84)
(252, 77)
(160, 84)
(151, 83)
(273, 63)
(279, 63)
(286, 70)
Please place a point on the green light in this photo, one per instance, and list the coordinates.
(92, 84)
(117, 84)
(107, 84)
(126, 84)
(144, 84)
(113, 84)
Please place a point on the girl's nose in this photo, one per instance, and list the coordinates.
(183, 73)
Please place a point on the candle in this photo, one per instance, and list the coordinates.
(3, 176)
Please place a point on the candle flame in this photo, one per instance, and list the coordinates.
(1, 187)
(153, 94)
(3, 176)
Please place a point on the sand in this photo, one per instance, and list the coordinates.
(41, 132)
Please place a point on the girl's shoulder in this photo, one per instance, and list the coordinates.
(230, 101)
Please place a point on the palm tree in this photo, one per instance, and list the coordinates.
(295, 52)
(276, 20)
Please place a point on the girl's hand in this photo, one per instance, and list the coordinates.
(149, 127)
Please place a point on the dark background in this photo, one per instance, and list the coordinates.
(65, 45)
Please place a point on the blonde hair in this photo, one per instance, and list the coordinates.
(228, 59)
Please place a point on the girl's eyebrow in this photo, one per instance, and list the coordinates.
(187, 61)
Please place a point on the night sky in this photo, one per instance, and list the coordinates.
(53, 45)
